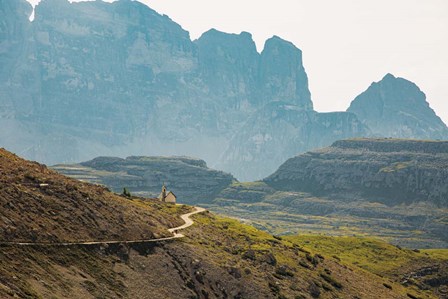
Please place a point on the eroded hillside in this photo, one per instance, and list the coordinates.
(218, 258)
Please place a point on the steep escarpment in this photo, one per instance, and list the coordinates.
(63, 101)
(280, 130)
(390, 171)
(396, 107)
(164, 94)
(190, 179)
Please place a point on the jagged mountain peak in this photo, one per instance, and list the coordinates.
(396, 107)
(389, 76)
(19, 7)
(276, 42)
(213, 32)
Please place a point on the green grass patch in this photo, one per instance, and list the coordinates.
(373, 255)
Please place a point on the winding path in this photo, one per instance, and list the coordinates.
(185, 217)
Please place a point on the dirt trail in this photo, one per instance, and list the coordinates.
(185, 217)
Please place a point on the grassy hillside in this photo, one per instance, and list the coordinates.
(218, 258)
(222, 258)
(422, 269)
(418, 225)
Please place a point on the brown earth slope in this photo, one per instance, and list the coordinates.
(219, 258)
(40, 205)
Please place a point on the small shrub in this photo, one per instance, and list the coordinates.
(304, 264)
(319, 256)
(331, 280)
(312, 259)
(314, 290)
(284, 270)
(126, 193)
(337, 258)
(249, 255)
(274, 287)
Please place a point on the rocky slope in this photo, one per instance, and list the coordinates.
(396, 107)
(41, 205)
(190, 179)
(386, 170)
(219, 258)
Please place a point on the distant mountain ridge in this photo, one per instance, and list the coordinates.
(392, 188)
(95, 79)
(190, 179)
(396, 107)
(392, 171)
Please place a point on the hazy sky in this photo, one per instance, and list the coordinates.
(346, 44)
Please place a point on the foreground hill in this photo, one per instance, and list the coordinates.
(219, 258)
(40, 205)
(190, 179)
(396, 189)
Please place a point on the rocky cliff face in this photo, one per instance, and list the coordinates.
(118, 78)
(190, 179)
(95, 79)
(280, 130)
(384, 170)
(396, 107)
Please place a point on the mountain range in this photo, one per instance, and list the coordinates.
(95, 79)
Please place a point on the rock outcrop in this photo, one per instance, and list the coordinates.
(190, 179)
(396, 107)
(384, 170)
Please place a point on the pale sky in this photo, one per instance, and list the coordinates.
(346, 44)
